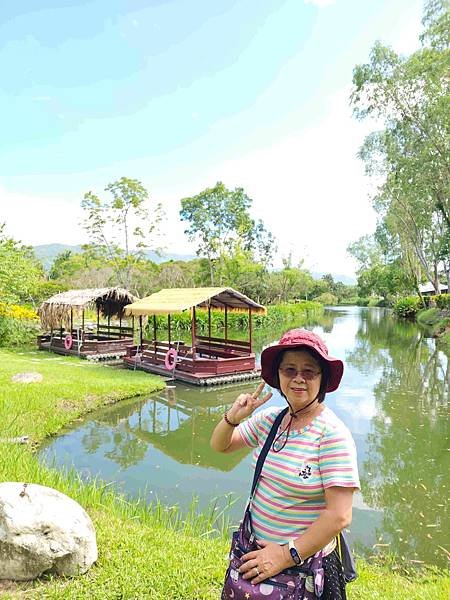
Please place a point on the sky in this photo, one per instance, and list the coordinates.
(180, 94)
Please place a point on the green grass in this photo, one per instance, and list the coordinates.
(155, 552)
(428, 316)
(438, 324)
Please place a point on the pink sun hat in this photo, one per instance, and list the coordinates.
(295, 339)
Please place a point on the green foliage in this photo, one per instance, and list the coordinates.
(276, 315)
(20, 272)
(442, 301)
(220, 222)
(428, 317)
(120, 227)
(410, 96)
(17, 332)
(327, 298)
(407, 307)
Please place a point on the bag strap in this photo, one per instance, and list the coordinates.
(265, 450)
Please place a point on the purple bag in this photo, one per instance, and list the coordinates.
(297, 583)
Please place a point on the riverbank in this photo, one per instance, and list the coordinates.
(143, 553)
(437, 321)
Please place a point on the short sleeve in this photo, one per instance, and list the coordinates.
(257, 427)
(337, 458)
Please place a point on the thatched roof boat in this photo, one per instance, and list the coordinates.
(208, 360)
(176, 300)
(59, 310)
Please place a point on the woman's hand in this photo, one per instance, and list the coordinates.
(246, 404)
(267, 562)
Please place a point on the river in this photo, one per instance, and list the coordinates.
(393, 397)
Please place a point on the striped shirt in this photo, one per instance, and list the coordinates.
(290, 492)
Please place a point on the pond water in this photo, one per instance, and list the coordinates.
(394, 398)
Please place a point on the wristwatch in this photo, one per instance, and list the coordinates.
(294, 553)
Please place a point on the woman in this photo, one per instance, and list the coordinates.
(304, 494)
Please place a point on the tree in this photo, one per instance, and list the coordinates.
(121, 226)
(20, 271)
(220, 223)
(410, 155)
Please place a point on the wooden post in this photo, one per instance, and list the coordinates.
(98, 318)
(140, 332)
(82, 321)
(209, 324)
(120, 325)
(154, 334)
(109, 325)
(168, 327)
(193, 331)
(71, 320)
(250, 327)
(226, 324)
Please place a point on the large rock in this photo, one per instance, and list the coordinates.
(43, 531)
(30, 377)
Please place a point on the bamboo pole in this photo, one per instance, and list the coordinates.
(250, 327)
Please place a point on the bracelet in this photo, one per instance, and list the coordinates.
(228, 422)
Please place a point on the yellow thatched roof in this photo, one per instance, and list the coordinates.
(56, 311)
(176, 300)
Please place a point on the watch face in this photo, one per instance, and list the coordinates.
(295, 556)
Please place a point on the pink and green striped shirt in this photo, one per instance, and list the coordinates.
(290, 493)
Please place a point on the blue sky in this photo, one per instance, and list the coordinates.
(180, 94)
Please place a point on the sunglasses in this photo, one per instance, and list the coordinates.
(307, 374)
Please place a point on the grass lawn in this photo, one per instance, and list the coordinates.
(144, 552)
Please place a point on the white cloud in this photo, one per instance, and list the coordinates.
(309, 188)
(41, 220)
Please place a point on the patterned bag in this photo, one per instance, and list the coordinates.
(297, 583)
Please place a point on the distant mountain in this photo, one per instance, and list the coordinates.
(343, 278)
(47, 253)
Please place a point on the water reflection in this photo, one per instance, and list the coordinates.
(405, 473)
(394, 399)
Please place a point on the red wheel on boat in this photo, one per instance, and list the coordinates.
(68, 342)
(171, 359)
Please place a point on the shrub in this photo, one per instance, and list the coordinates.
(276, 315)
(327, 298)
(17, 332)
(362, 302)
(442, 301)
(428, 316)
(17, 312)
(406, 308)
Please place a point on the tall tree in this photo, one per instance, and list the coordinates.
(122, 226)
(220, 222)
(411, 155)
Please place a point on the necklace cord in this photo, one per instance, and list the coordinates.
(287, 429)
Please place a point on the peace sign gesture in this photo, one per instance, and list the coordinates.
(246, 404)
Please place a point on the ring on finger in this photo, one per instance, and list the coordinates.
(257, 571)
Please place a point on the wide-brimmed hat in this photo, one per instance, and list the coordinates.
(296, 339)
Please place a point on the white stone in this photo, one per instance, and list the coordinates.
(43, 531)
(27, 377)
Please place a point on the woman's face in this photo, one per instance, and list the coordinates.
(300, 376)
